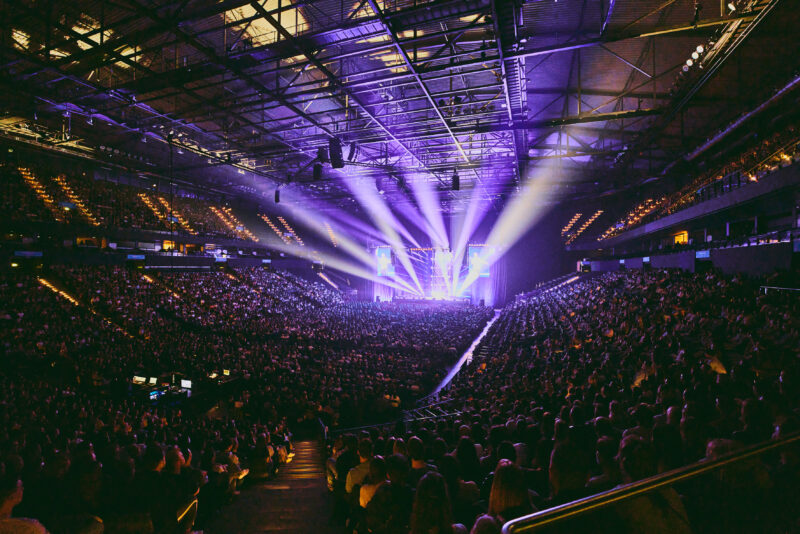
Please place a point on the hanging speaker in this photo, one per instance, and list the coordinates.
(335, 152)
(317, 172)
(322, 154)
(277, 196)
(353, 151)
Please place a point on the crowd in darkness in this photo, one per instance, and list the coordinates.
(585, 386)
(76, 444)
(760, 158)
(588, 386)
(111, 204)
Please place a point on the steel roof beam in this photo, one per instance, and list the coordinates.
(353, 23)
(222, 62)
(333, 79)
(680, 28)
(358, 84)
(415, 74)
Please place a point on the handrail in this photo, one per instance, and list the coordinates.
(401, 419)
(186, 510)
(766, 288)
(616, 495)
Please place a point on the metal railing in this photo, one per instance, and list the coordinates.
(408, 416)
(767, 289)
(572, 510)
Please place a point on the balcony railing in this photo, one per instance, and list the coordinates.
(574, 510)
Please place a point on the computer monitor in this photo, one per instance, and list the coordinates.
(153, 381)
(139, 380)
(186, 384)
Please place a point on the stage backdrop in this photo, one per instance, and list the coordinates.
(537, 257)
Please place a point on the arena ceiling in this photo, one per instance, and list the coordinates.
(247, 92)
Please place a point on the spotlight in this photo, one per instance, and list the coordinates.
(277, 196)
(379, 185)
(700, 49)
(456, 181)
(685, 68)
(695, 55)
(89, 120)
(732, 6)
(689, 62)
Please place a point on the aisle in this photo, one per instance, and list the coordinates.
(466, 357)
(296, 501)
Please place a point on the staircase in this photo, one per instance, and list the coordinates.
(241, 229)
(296, 501)
(291, 231)
(275, 228)
(177, 216)
(73, 197)
(41, 193)
(161, 216)
(233, 223)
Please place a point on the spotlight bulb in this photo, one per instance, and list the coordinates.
(700, 49)
(689, 62)
(695, 55)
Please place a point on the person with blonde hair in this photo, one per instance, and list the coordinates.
(509, 497)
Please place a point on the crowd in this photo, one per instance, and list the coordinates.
(587, 386)
(758, 158)
(76, 433)
(110, 204)
(761, 157)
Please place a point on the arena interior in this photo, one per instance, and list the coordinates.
(399, 266)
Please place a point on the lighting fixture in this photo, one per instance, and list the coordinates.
(695, 55)
(689, 62)
(700, 49)
(732, 6)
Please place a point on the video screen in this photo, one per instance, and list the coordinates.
(478, 260)
(385, 267)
